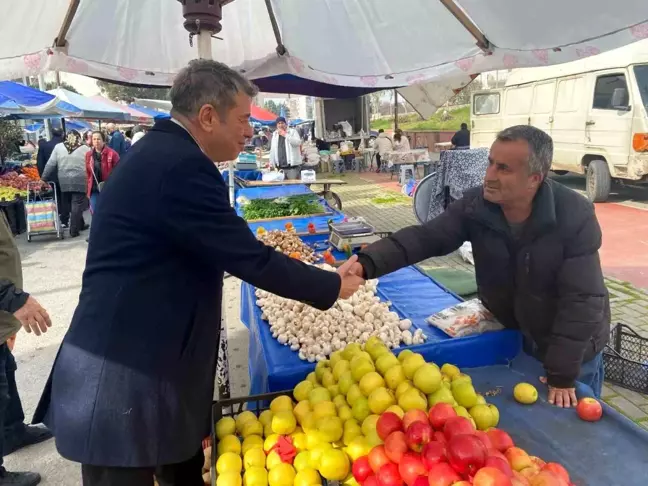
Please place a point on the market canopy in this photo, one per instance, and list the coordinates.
(18, 99)
(155, 114)
(261, 115)
(90, 108)
(135, 116)
(352, 43)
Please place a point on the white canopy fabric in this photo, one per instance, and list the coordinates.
(361, 43)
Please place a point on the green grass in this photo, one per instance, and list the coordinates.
(412, 121)
(392, 198)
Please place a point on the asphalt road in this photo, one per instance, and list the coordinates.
(635, 196)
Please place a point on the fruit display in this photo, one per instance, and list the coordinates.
(15, 180)
(10, 193)
(288, 243)
(315, 334)
(589, 409)
(281, 207)
(31, 173)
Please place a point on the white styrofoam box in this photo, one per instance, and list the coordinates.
(308, 176)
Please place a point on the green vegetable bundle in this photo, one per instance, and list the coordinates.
(304, 204)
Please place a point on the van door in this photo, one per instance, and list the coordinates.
(517, 105)
(486, 117)
(568, 127)
(544, 95)
(608, 129)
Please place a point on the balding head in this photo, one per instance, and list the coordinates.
(110, 127)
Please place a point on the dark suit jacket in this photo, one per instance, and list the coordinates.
(133, 381)
(45, 149)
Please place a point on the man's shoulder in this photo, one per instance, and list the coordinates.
(570, 206)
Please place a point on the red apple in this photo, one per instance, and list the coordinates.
(462, 483)
(547, 478)
(442, 475)
(433, 453)
(466, 454)
(418, 434)
(537, 461)
(483, 436)
(529, 472)
(557, 469)
(440, 413)
(439, 437)
(589, 409)
(388, 475)
(457, 426)
(421, 481)
(377, 458)
(387, 423)
(500, 439)
(395, 446)
(518, 458)
(499, 463)
(519, 480)
(490, 476)
(496, 453)
(371, 481)
(414, 416)
(361, 469)
(411, 467)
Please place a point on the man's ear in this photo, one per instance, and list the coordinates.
(536, 180)
(206, 117)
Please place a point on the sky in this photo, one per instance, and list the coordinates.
(83, 84)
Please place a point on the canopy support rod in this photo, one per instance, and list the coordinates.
(281, 49)
(482, 42)
(61, 40)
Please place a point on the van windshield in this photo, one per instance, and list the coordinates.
(641, 73)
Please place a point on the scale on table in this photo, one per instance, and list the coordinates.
(352, 234)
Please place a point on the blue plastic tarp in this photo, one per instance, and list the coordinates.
(156, 114)
(18, 97)
(274, 367)
(247, 175)
(90, 108)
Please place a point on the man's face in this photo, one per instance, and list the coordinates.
(281, 126)
(508, 180)
(225, 136)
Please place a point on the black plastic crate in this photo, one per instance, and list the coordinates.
(626, 359)
(231, 407)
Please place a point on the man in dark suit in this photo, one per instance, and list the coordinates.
(131, 389)
(46, 147)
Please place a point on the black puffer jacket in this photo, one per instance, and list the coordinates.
(548, 283)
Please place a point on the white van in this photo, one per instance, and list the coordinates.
(595, 109)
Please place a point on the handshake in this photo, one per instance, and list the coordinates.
(351, 276)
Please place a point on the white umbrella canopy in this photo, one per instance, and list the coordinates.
(360, 43)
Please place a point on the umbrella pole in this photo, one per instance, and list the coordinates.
(48, 124)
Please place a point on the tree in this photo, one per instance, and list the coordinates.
(52, 85)
(117, 92)
(273, 107)
(10, 135)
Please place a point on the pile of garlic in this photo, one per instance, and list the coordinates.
(316, 334)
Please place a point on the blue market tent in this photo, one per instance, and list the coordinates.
(91, 108)
(79, 125)
(16, 98)
(156, 114)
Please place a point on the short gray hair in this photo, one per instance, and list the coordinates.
(540, 146)
(206, 82)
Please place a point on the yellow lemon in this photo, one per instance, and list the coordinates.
(251, 442)
(316, 454)
(269, 443)
(330, 428)
(334, 465)
(255, 476)
(324, 409)
(284, 422)
(267, 430)
(358, 447)
(281, 404)
(525, 393)
(254, 458)
(302, 460)
(307, 477)
(272, 460)
(312, 377)
(302, 390)
(252, 427)
(225, 426)
(302, 409)
(229, 443)
(266, 417)
(308, 422)
(300, 441)
(281, 475)
(229, 462)
(243, 418)
(229, 479)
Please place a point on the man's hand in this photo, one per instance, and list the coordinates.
(350, 281)
(561, 397)
(33, 317)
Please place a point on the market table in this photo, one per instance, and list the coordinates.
(331, 197)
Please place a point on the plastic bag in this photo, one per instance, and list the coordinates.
(273, 176)
(466, 253)
(465, 319)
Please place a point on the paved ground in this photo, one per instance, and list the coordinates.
(52, 273)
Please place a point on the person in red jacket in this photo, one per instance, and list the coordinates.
(100, 162)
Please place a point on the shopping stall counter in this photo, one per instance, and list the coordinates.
(414, 295)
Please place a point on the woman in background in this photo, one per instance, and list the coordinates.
(99, 162)
(401, 142)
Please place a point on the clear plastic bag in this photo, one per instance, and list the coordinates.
(465, 319)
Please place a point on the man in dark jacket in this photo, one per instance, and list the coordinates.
(461, 139)
(117, 140)
(131, 389)
(45, 148)
(535, 245)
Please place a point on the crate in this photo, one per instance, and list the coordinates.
(625, 359)
(231, 407)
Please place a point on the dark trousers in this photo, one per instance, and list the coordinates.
(187, 473)
(71, 208)
(11, 412)
(378, 161)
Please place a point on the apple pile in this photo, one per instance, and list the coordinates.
(441, 448)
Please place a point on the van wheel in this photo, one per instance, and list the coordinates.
(598, 181)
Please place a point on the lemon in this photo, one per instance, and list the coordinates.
(269, 443)
(302, 390)
(267, 430)
(229, 462)
(283, 422)
(252, 428)
(450, 370)
(324, 409)
(251, 442)
(272, 460)
(358, 447)
(308, 422)
(525, 393)
(300, 441)
(281, 475)
(307, 477)
(302, 409)
(255, 476)
(330, 428)
(229, 443)
(312, 377)
(317, 452)
(243, 418)
(334, 465)
(302, 460)
(225, 426)
(344, 412)
(229, 479)
(266, 417)
(281, 404)
(254, 458)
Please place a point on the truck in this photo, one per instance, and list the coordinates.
(329, 113)
(595, 109)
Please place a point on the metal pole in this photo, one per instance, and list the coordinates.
(395, 109)
(48, 125)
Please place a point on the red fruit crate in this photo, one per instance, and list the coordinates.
(625, 359)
